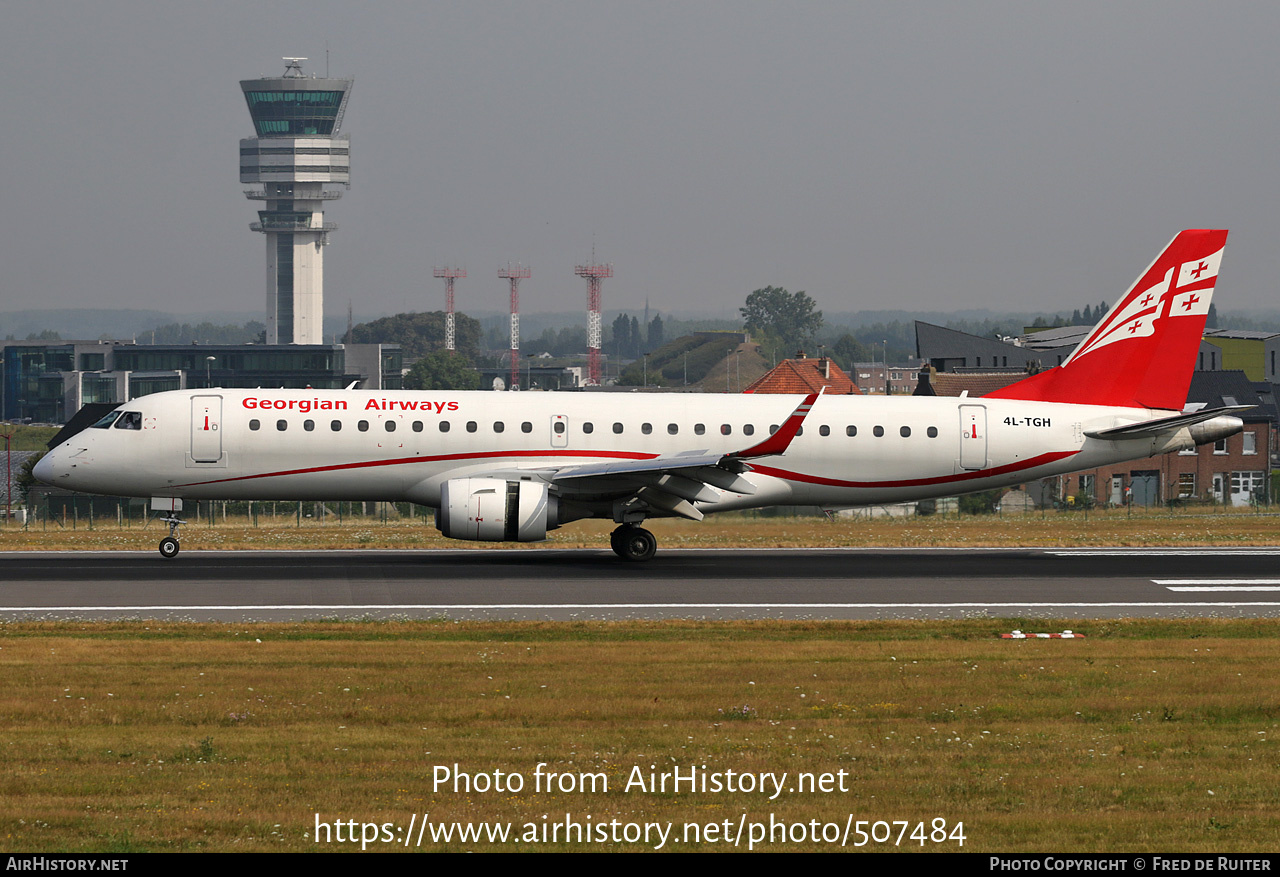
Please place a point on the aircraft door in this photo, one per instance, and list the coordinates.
(973, 436)
(206, 429)
(559, 431)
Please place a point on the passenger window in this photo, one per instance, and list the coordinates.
(646, 428)
(471, 426)
(282, 425)
(499, 426)
(444, 426)
(748, 429)
(417, 426)
(308, 425)
(335, 425)
(851, 431)
(526, 427)
(130, 420)
(933, 432)
(588, 428)
(699, 429)
(824, 430)
(672, 429)
(558, 427)
(773, 428)
(726, 429)
(363, 426)
(878, 431)
(905, 432)
(255, 425)
(617, 429)
(799, 431)
(390, 426)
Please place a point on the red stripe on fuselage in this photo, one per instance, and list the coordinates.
(402, 461)
(1041, 460)
(785, 474)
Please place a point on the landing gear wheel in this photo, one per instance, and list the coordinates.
(633, 543)
(169, 544)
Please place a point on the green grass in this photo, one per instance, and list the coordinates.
(1143, 736)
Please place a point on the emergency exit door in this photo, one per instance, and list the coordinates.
(973, 436)
(206, 429)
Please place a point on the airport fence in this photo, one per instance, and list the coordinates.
(77, 511)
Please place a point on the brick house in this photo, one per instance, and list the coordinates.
(1235, 470)
(805, 375)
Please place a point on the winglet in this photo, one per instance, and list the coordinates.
(779, 442)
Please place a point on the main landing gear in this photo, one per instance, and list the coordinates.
(633, 543)
(169, 544)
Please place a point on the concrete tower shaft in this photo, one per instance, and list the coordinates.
(297, 157)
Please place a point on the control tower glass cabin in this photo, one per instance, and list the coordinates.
(297, 157)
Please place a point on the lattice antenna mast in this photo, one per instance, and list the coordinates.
(515, 275)
(594, 274)
(449, 275)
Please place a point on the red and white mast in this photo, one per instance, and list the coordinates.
(594, 274)
(515, 275)
(449, 275)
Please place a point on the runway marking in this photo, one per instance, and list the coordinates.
(444, 607)
(1166, 552)
(1219, 584)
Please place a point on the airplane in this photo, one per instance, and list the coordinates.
(515, 466)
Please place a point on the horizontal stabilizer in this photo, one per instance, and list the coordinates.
(1150, 428)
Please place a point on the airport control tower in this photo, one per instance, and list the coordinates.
(297, 156)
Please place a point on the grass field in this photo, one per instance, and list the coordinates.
(1258, 526)
(1144, 736)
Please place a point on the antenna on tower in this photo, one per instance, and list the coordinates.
(449, 275)
(515, 275)
(594, 273)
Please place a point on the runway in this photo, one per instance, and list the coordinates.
(562, 584)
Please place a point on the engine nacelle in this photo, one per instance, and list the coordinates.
(496, 510)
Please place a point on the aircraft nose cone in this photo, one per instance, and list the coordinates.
(43, 470)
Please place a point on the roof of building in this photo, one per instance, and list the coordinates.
(805, 375)
(977, 383)
(1216, 389)
(1061, 336)
(1240, 334)
(940, 343)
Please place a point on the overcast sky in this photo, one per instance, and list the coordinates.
(937, 156)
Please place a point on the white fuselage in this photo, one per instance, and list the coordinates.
(403, 445)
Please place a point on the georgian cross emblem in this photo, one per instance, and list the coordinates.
(1190, 301)
(1200, 269)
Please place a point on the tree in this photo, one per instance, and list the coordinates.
(442, 370)
(419, 333)
(24, 479)
(621, 335)
(849, 350)
(655, 333)
(788, 317)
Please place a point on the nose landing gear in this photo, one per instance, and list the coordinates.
(169, 544)
(633, 543)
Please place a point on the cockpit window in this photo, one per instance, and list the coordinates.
(105, 423)
(130, 420)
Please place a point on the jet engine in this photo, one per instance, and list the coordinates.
(496, 510)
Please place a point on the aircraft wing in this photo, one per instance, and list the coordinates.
(674, 482)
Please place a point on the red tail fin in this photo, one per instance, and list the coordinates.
(1143, 352)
